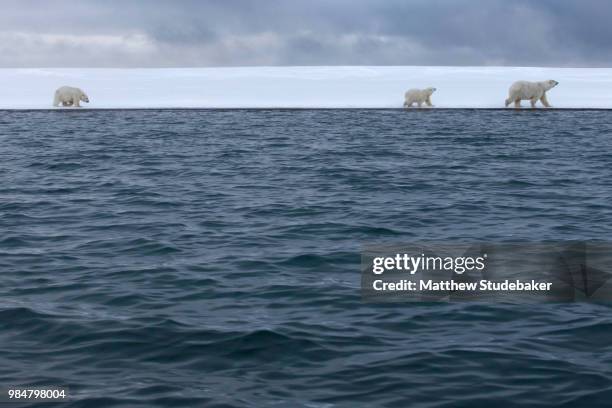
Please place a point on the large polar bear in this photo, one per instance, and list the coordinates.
(69, 96)
(418, 96)
(533, 91)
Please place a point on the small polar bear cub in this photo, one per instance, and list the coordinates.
(532, 91)
(418, 96)
(69, 96)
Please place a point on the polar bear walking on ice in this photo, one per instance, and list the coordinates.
(533, 91)
(69, 96)
(418, 96)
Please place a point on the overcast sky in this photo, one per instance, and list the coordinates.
(163, 33)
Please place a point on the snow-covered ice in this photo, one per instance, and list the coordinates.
(299, 87)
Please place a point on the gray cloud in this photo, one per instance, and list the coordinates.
(130, 33)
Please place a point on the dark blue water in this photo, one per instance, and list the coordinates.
(211, 258)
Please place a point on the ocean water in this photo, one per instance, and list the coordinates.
(201, 258)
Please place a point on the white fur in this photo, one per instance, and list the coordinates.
(532, 91)
(69, 96)
(418, 96)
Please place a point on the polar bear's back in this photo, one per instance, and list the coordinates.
(414, 95)
(525, 90)
(68, 90)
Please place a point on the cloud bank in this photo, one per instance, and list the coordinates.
(191, 33)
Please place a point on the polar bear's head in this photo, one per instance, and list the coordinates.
(550, 84)
(429, 91)
(84, 97)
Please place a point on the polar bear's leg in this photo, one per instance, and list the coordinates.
(533, 102)
(513, 97)
(428, 101)
(420, 104)
(545, 101)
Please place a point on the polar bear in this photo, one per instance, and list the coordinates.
(534, 91)
(420, 96)
(69, 96)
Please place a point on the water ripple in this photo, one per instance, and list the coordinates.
(211, 258)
